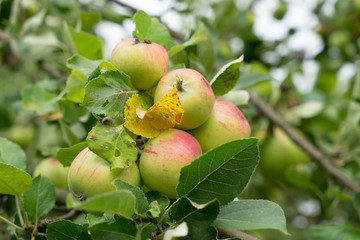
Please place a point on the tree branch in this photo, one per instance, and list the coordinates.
(234, 233)
(68, 215)
(307, 146)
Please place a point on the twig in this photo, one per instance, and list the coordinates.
(60, 208)
(234, 233)
(307, 146)
(68, 215)
(54, 72)
(11, 224)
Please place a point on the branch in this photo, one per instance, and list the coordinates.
(68, 215)
(307, 146)
(234, 233)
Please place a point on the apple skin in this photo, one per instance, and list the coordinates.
(90, 175)
(278, 152)
(22, 135)
(226, 123)
(195, 94)
(164, 156)
(54, 171)
(144, 62)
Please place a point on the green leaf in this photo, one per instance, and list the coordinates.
(37, 99)
(150, 28)
(88, 20)
(95, 219)
(176, 66)
(154, 209)
(75, 86)
(113, 144)
(251, 215)
(332, 232)
(123, 229)
(198, 217)
(69, 136)
(300, 179)
(141, 201)
(13, 181)
(196, 38)
(356, 89)
(40, 198)
(205, 50)
(157, 203)
(108, 93)
(357, 202)
(103, 67)
(82, 64)
(11, 153)
(226, 78)
(237, 97)
(67, 155)
(222, 173)
(161, 199)
(87, 45)
(119, 202)
(247, 80)
(66, 230)
(145, 230)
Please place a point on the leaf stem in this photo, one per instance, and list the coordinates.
(166, 212)
(14, 12)
(12, 224)
(27, 223)
(17, 198)
(33, 234)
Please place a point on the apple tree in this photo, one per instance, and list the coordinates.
(241, 121)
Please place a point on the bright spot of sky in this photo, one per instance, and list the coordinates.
(310, 208)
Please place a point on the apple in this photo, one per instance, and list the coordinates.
(22, 135)
(164, 156)
(90, 175)
(195, 94)
(279, 152)
(145, 62)
(226, 123)
(54, 171)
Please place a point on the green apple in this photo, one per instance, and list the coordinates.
(226, 123)
(22, 135)
(164, 156)
(54, 171)
(144, 62)
(278, 152)
(90, 175)
(195, 94)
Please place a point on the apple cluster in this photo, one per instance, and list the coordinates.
(207, 123)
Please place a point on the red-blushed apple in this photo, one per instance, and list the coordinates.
(90, 175)
(226, 123)
(195, 94)
(54, 171)
(164, 156)
(144, 62)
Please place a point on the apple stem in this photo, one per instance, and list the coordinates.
(179, 86)
(137, 40)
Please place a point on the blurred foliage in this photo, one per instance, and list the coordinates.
(317, 90)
